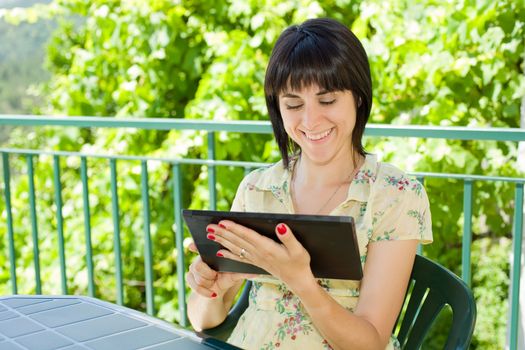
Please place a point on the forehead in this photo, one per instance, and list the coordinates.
(303, 89)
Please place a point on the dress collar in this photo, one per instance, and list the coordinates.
(359, 189)
(277, 180)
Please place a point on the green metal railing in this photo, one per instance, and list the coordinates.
(211, 127)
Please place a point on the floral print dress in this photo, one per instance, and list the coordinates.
(386, 205)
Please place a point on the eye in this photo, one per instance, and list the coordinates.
(293, 107)
(327, 102)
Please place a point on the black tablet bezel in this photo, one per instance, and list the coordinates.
(330, 240)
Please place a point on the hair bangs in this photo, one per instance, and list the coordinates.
(308, 63)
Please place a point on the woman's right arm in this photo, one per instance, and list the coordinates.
(204, 309)
(212, 294)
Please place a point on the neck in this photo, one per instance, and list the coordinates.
(333, 173)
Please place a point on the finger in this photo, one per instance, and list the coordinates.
(238, 233)
(285, 235)
(245, 276)
(235, 237)
(205, 292)
(235, 277)
(233, 249)
(200, 280)
(223, 253)
(203, 282)
(206, 280)
(193, 247)
(202, 269)
(229, 240)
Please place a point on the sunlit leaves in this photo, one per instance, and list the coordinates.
(450, 63)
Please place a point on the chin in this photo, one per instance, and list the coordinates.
(319, 159)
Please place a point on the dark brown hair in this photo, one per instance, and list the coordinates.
(324, 52)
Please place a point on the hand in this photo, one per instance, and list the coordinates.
(207, 282)
(288, 260)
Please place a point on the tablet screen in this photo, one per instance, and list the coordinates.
(330, 240)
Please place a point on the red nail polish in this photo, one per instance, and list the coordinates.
(222, 226)
(213, 295)
(210, 236)
(209, 229)
(281, 229)
(219, 254)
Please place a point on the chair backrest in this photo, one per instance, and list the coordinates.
(433, 287)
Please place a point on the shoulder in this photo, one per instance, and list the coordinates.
(394, 191)
(399, 206)
(391, 180)
(265, 178)
(261, 187)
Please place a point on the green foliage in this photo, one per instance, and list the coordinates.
(493, 268)
(458, 63)
(440, 63)
(21, 65)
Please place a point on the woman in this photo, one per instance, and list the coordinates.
(319, 94)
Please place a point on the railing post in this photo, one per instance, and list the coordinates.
(179, 243)
(148, 253)
(517, 238)
(60, 222)
(116, 231)
(521, 168)
(467, 231)
(87, 225)
(34, 225)
(10, 233)
(211, 171)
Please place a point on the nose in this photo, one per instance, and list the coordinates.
(312, 116)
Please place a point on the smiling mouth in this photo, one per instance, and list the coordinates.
(318, 136)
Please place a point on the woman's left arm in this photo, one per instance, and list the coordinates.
(382, 290)
(387, 271)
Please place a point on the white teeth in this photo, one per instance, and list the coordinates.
(315, 137)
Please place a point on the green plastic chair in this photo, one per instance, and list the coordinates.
(431, 288)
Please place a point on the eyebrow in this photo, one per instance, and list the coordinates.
(320, 93)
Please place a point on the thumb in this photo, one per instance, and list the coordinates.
(287, 237)
(235, 276)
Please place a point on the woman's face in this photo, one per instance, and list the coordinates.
(319, 121)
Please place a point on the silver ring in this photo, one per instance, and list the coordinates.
(242, 254)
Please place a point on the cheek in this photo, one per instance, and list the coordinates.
(352, 122)
(288, 128)
(287, 122)
(350, 117)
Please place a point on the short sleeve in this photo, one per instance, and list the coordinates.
(239, 202)
(400, 209)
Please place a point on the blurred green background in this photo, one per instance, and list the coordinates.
(454, 63)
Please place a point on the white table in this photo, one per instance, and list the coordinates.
(80, 323)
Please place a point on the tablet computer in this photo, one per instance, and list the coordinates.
(330, 240)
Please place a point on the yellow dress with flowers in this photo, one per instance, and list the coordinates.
(385, 204)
